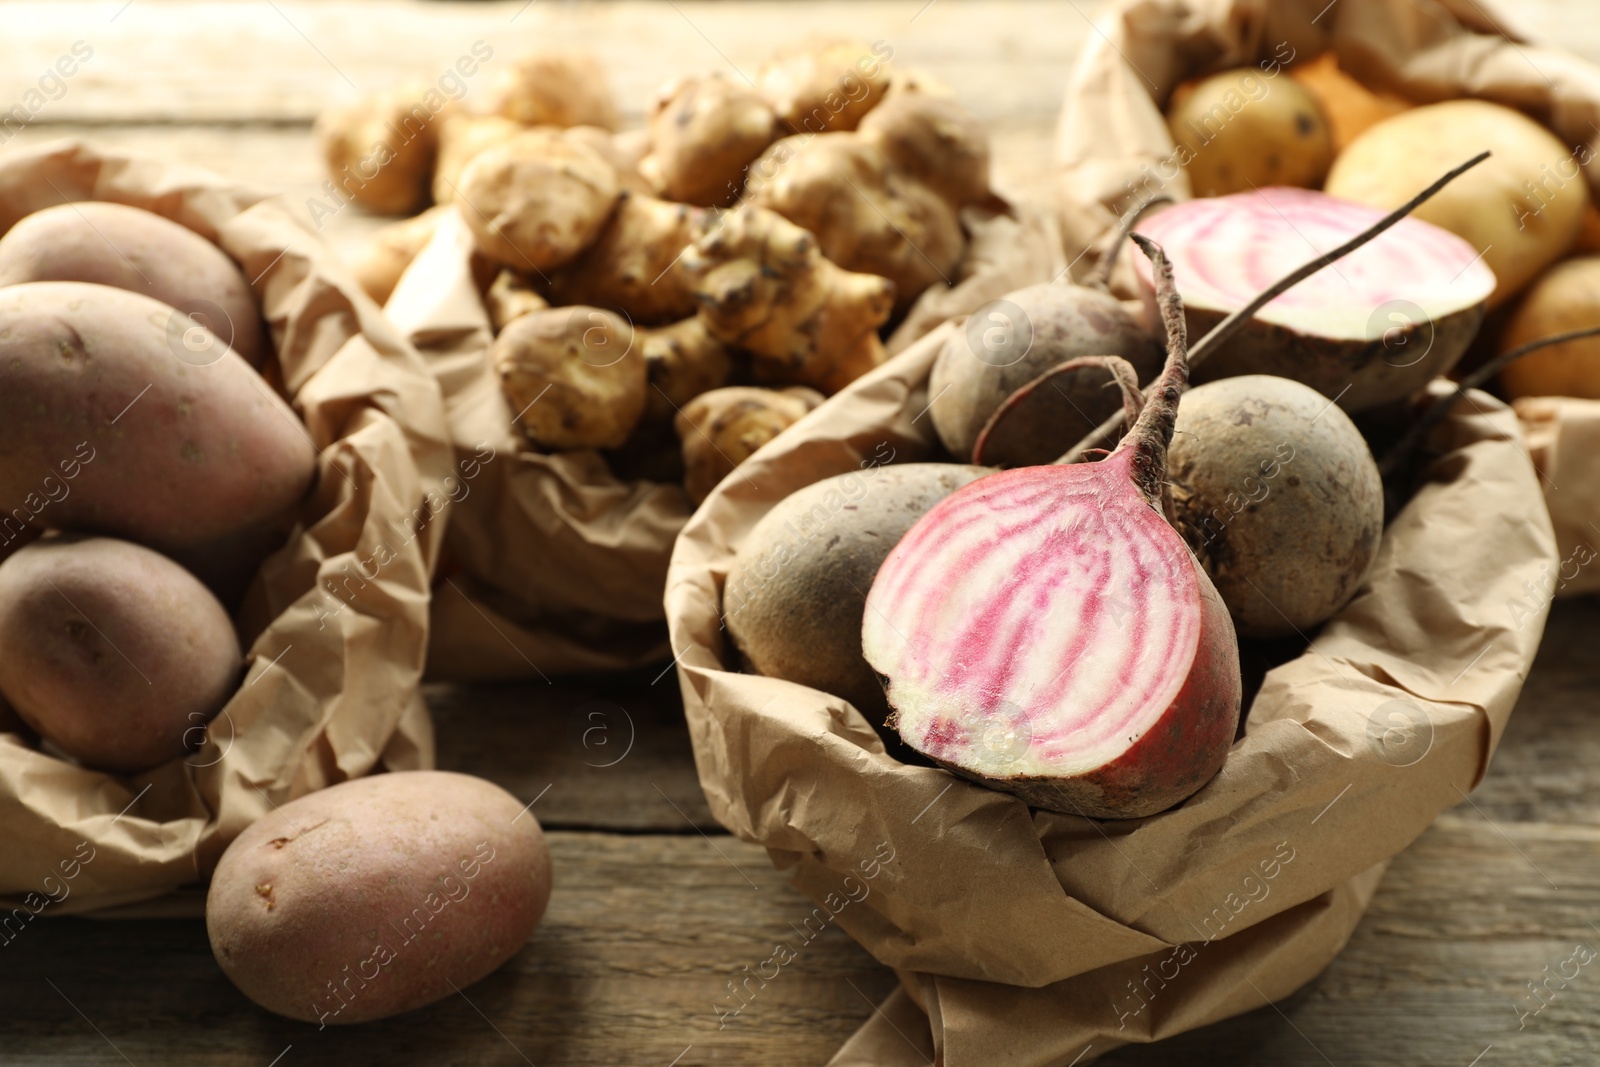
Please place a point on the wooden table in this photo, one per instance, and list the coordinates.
(655, 907)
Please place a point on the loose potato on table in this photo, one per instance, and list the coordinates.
(377, 896)
(112, 652)
(130, 248)
(111, 428)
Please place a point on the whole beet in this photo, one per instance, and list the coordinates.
(1010, 342)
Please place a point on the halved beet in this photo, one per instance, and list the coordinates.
(1046, 631)
(1372, 328)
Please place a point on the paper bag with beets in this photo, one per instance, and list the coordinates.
(1031, 938)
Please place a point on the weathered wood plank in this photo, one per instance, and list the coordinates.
(629, 966)
(610, 753)
(204, 62)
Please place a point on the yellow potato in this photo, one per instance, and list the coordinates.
(1567, 298)
(1241, 129)
(1523, 207)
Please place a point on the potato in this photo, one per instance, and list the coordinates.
(380, 150)
(129, 248)
(825, 83)
(573, 376)
(113, 652)
(1567, 298)
(555, 89)
(111, 428)
(510, 297)
(1523, 207)
(632, 267)
(534, 202)
(705, 132)
(462, 138)
(377, 896)
(1239, 130)
(723, 428)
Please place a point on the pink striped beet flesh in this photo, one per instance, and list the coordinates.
(1046, 631)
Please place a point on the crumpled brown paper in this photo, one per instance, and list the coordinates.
(553, 563)
(333, 660)
(1030, 938)
(1024, 928)
(1564, 438)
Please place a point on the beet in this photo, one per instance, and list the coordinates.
(1370, 330)
(795, 594)
(1045, 631)
(1275, 491)
(1011, 342)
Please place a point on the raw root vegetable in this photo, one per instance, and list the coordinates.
(380, 150)
(825, 84)
(794, 598)
(555, 88)
(1046, 632)
(762, 285)
(723, 428)
(1240, 130)
(683, 361)
(1350, 107)
(534, 202)
(704, 133)
(884, 199)
(632, 267)
(1372, 329)
(1277, 494)
(509, 297)
(1522, 211)
(1012, 341)
(573, 377)
(1566, 298)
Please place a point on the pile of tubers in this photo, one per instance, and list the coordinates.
(677, 295)
(1074, 632)
(151, 470)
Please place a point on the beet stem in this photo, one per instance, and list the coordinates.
(1401, 452)
(1123, 376)
(1100, 277)
(1225, 329)
(1151, 434)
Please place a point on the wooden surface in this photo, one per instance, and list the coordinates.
(655, 908)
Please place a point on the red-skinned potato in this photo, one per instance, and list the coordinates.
(113, 652)
(130, 248)
(377, 896)
(118, 424)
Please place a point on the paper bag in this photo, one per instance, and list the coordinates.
(335, 625)
(1029, 933)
